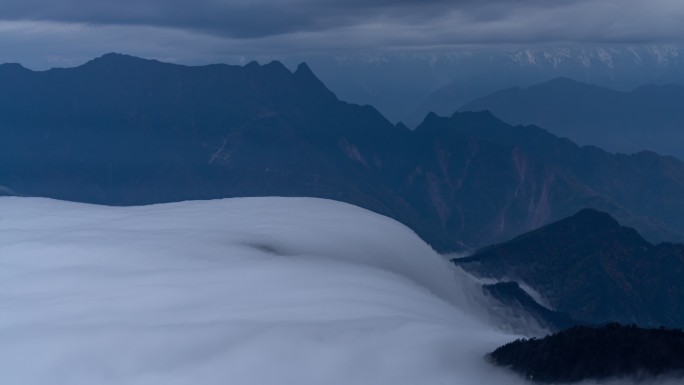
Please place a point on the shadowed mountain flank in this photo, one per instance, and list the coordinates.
(120, 130)
(593, 269)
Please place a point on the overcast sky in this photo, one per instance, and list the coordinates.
(44, 33)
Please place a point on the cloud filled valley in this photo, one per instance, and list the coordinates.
(266, 290)
(245, 290)
(335, 192)
(254, 290)
(284, 290)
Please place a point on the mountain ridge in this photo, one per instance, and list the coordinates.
(644, 118)
(481, 74)
(612, 351)
(592, 268)
(150, 132)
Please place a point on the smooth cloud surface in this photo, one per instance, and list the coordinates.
(242, 291)
(235, 291)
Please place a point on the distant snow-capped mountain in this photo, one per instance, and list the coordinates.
(611, 57)
(406, 86)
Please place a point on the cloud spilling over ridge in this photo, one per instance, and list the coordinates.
(248, 291)
(264, 291)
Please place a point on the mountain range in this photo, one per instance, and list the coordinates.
(478, 74)
(593, 269)
(645, 118)
(120, 130)
(442, 81)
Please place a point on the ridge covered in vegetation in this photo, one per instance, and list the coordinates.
(582, 353)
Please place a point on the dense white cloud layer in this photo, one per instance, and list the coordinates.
(266, 291)
(235, 291)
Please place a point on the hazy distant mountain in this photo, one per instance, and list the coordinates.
(122, 130)
(593, 269)
(621, 68)
(394, 83)
(646, 118)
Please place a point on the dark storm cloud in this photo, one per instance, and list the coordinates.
(235, 18)
(261, 18)
(279, 26)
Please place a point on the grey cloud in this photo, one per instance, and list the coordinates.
(359, 25)
(255, 18)
(236, 19)
(242, 19)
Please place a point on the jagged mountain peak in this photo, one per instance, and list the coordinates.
(118, 59)
(589, 227)
(276, 65)
(589, 217)
(430, 118)
(114, 60)
(13, 67)
(304, 75)
(252, 64)
(303, 69)
(593, 216)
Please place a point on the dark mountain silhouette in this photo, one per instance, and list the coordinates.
(121, 130)
(593, 269)
(586, 353)
(646, 118)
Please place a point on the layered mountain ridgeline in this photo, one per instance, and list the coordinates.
(646, 118)
(478, 74)
(593, 269)
(584, 353)
(121, 130)
(443, 81)
(538, 177)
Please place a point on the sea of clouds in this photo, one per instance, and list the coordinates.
(234, 291)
